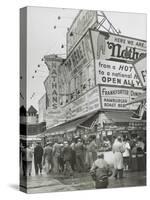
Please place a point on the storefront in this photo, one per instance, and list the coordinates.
(80, 127)
(121, 123)
(95, 84)
(102, 111)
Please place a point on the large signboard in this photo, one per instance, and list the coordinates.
(79, 57)
(84, 20)
(116, 98)
(118, 48)
(140, 68)
(86, 104)
(116, 73)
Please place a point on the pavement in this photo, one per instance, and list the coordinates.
(43, 183)
(80, 181)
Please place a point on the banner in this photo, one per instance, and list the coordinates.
(85, 19)
(117, 97)
(78, 58)
(118, 48)
(140, 68)
(116, 73)
(85, 104)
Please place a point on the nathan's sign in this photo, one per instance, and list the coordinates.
(54, 86)
(85, 19)
(117, 47)
(87, 103)
(79, 57)
(116, 73)
(140, 68)
(117, 97)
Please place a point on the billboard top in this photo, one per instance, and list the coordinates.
(118, 48)
(140, 68)
(84, 20)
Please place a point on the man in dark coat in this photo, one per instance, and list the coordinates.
(38, 154)
(79, 150)
(67, 153)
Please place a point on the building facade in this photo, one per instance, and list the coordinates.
(96, 79)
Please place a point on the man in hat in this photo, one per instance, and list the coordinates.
(48, 158)
(79, 151)
(38, 155)
(100, 171)
(67, 153)
(56, 156)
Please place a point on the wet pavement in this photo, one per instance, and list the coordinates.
(79, 181)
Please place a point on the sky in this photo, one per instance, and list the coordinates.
(46, 32)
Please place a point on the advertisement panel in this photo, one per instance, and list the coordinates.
(117, 97)
(116, 73)
(79, 57)
(118, 48)
(85, 104)
(85, 19)
(140, 68)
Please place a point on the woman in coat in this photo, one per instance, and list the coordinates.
(118, 150)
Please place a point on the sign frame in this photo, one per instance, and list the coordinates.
(114, 109)
(80, 35)
(110, 67)
(88, 112)
(120, 38)
(136, 61)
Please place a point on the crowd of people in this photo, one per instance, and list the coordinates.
(80, 156)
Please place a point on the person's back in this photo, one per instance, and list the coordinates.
(48, 152)
(101, 168)
(100, 172)
(118, 147)
(56, 149)
(38, 152)
(92, 146)
(127, 148)
(79, 148)
(29, 154)
(67, 152)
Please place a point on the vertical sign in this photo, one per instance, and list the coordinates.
(81, 55)
(140, 68)
(54, 86)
